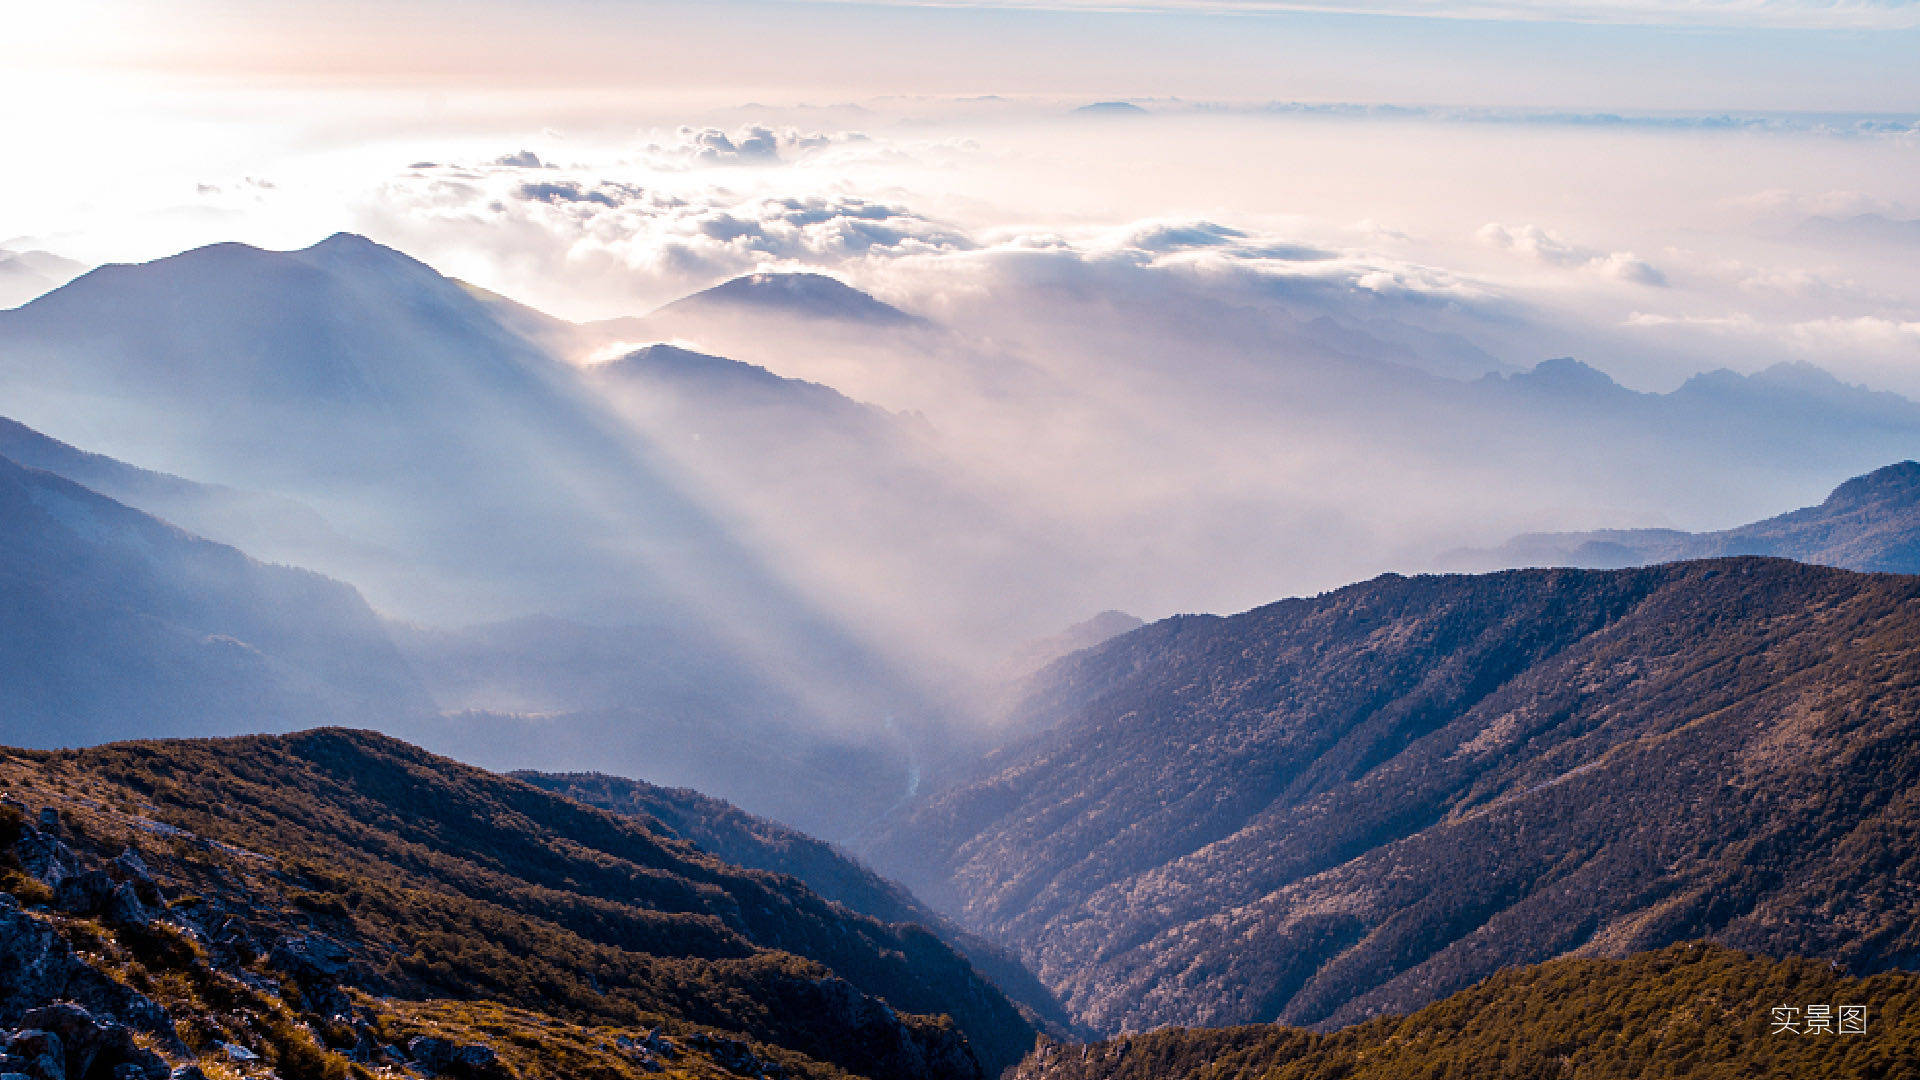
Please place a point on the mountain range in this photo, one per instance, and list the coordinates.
(115, 620)
(1871, 522)
(347, 409)
(27, 274)
(536, 545)
(1331, 808)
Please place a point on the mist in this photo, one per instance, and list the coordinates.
(1008, 365)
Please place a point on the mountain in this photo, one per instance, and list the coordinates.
(855, 503)
(716, 392)
(26, 274)
(1332, 808)
(116, 621)
(798, 295)
(1037, 654)
(472, 478)
(1689, 1012)
(337, 894)
(1871, 522)
(723, 830)
(313, 374)
(250, 520)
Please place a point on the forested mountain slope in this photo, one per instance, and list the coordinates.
(1331, 808)
(724, 830)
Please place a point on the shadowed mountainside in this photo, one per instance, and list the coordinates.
(1331, 808)
(115, 620)
(740, 838)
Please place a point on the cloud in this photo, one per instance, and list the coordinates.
(1816, 335)
(525, 159)
(638, 244)
(752, 144)
(1546, 246)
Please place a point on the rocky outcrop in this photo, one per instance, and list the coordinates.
(436, 1055)
(63, 1041)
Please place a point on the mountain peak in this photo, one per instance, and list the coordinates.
(1897, 482)
(805, 294)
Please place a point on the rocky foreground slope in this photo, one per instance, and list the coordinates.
(337, 902)
(1333, 808)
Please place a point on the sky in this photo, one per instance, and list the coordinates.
(1658, 188)
(1153, 310)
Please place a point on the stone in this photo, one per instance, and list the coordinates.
(125, 906)
(37, 963)
(475, 1058)
(187, 1072)
(85, 893)
(87, 1038)
(438, 1055)
(50, 819)
(45, 857)
(430, 1052)
(42, 1055)
(131, 870)
(310, 958)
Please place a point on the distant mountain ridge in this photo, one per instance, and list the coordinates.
(1335, 807)
(474, 477)
(1870, 522)
(116, 620)
(258, 523)
(27, 274)
(801, 295)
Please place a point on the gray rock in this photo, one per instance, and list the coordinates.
(124, 906)
(85, 893)
(45, 857)
(312, 959)
(50, 819)
(475, 1058)
(437, 1055)
(430, 1052)
(187, 1072)
(88, 1039)
(37, 963)
(131, 870)
(41, 1053)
